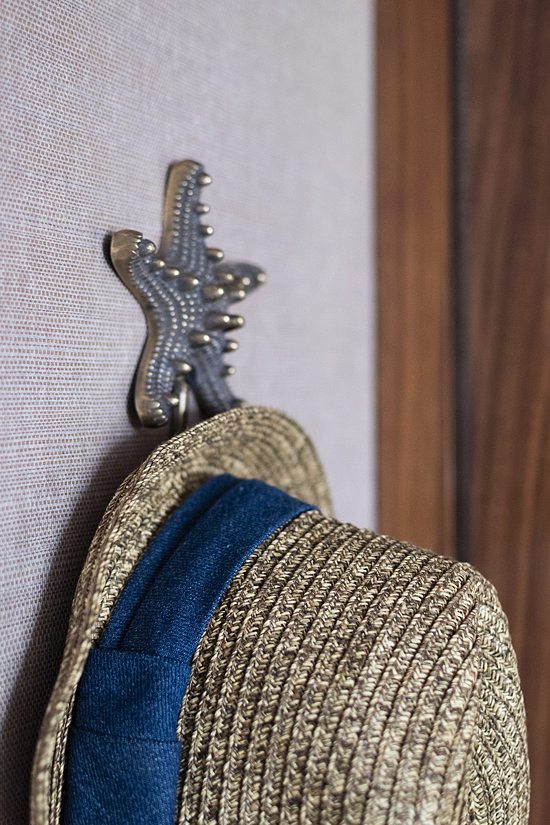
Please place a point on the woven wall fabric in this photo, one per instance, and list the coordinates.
(98, 98)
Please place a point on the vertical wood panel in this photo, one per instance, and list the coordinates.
(502, 410)
(415, 314)
(508, 223)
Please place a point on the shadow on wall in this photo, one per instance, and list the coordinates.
(39, 670)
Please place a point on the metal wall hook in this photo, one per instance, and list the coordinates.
(185, 290)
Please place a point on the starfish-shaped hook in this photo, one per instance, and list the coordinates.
(185, 291)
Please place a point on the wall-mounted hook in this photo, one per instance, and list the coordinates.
(185, 289)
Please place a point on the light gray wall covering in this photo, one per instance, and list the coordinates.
(98, 99)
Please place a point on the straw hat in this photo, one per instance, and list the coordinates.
(344, 677)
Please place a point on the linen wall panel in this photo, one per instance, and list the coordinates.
(98, 98)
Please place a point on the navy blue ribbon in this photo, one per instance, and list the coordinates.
(123, 756)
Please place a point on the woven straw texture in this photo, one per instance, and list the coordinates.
(344, 677)
(250, 442)
(348, 677)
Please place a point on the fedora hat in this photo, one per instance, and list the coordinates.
(338, 675)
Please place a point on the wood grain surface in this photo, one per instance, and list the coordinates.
(415, 315)
(463, 123)
(507, 154)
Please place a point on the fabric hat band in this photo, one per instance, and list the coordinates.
(124, 756)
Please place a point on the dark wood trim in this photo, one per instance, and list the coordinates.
(415, 290)
(470, 309)
(507, 146)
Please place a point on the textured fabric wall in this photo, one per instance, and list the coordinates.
(98, 99)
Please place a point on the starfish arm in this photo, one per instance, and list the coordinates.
(183, 234)
(131, 255)
(212, 391)
(240, 278)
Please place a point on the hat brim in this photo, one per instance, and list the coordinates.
(249, 442)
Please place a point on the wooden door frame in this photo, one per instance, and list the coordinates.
(416, 335)
(463, 162)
